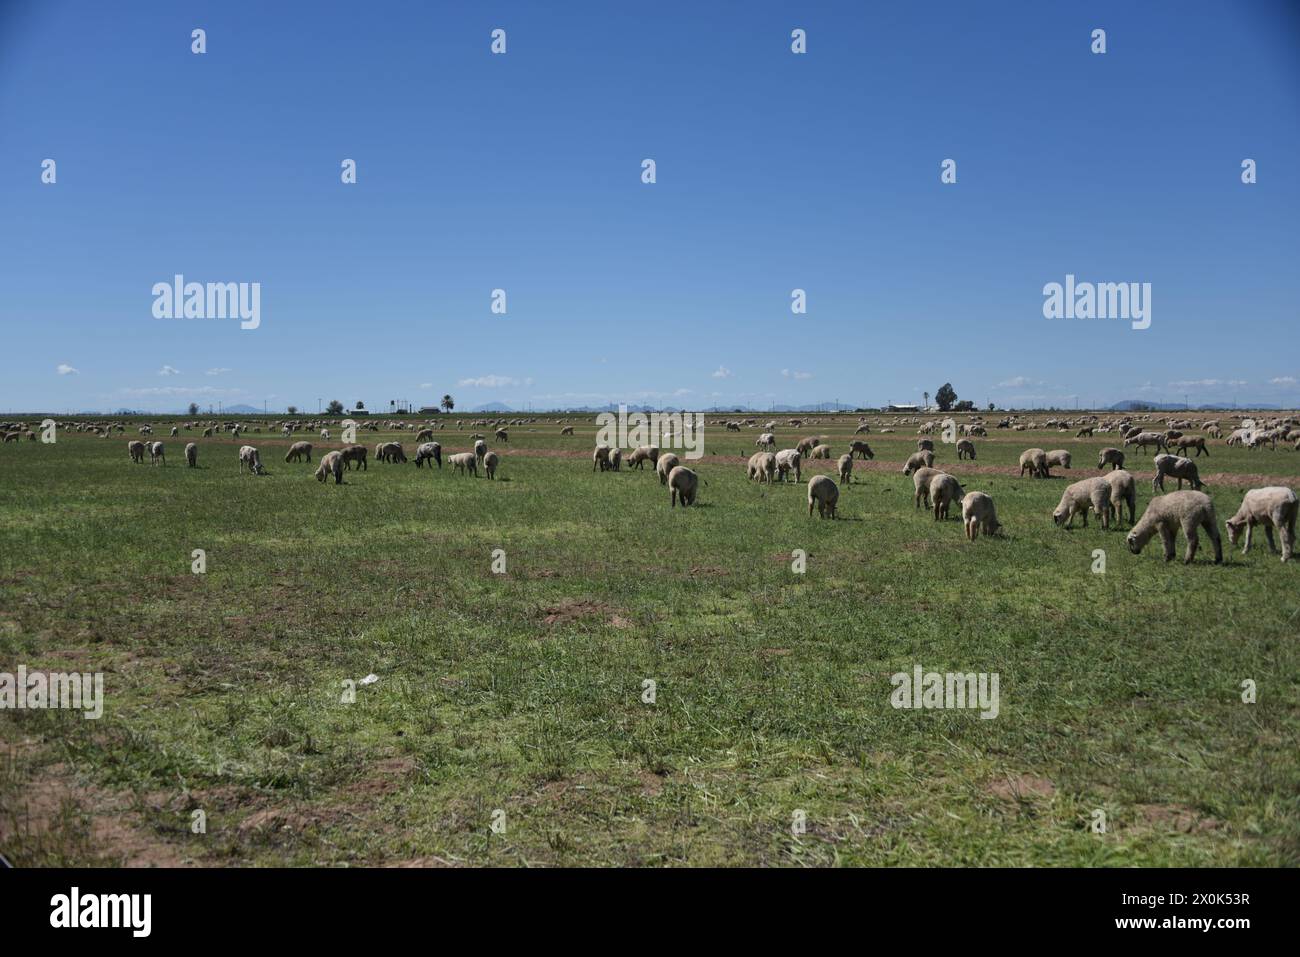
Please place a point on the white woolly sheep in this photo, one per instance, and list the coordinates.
(1165, 514)
(965, 449)
(638, 457)
(503, 436)
(823, 493)
(490, 462)
(766, 441)
(762, 466)
(918, 460)
(1143, 439)
(191, 455)
(615, 459)
(667, 462)
(845, 468)
(567, 430)
(789, 460)
(480, 449)
(683, 484)
(1175, 466)
(944, 490)
(1077, 498)
(156, 453)
(861, 450)
(248, 456)
(1273, 507)
(821, 452)
(1058, 458)
(1193, 442)
(135, 448)
(806, 445)
(298, 451)
(1122, 490)
(600, 458)
(921, 479)
(331, 463)
(1035, 460)
(428, 452)
(1112, 457)
(325, 435)
(978, 515)
(925, 445)
(391, 452)
(464, 461)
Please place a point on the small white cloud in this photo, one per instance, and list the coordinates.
(169, 370)
(683, 392)
(722, 373)
(64, 369)
(426, 385)
(493, 382)
(218, 371)
(1018, 382)
(796, 374)
(1283, 380)
(1207, 383)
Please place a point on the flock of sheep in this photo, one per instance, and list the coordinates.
(1105, 496)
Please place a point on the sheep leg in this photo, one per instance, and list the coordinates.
(1268, 533)
(1213, 532)
(1193, 542)
(1250, 528)
(1167, 540)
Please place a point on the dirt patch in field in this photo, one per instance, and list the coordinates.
(112, 838)
(1176, 817)
(1022, 787)
(579, 609)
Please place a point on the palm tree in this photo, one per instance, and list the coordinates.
(448, 403)
(926, 405)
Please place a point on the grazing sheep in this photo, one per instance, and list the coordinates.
(978, 515)
(503, 436)
(861, 450)
(331, 463)
(845, 468)
(173, 431)
(965, 449)
(464, 461)
(762, 466)
(1035, 460)
(667, 462)
(428, 452)
(355, 453)
(1273, 507)
(424, 435)
(1122, 490)
(766, 441)
(490, 462)
(1077, 498)
(615, 459)
(391, 452)
(567, 430)
(1085, 432)
(207, 433)
(1143, 439)
(1177, 467)
(600, 458)
(1193, 442)
(821, 452)
(918, 460)
(298, 451)
(135, 447)
(191, 455)
(1112, 457)
(944, 490)
(324, 434)
(921, 479)
(248, 456)
(806, 445)
(1166, 513)
(642, 454)
(683, 483)
(156, 453)
(925, 445)
(480, 449)
(823, 493)
(789, 460)
(1058, 458)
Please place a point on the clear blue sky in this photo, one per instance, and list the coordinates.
(522, 172)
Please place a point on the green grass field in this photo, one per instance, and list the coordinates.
(522, 692)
